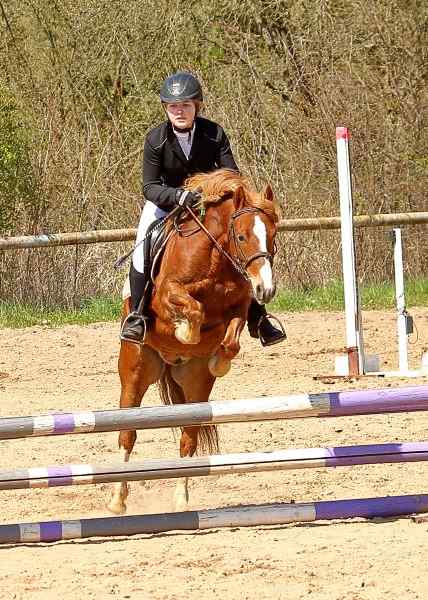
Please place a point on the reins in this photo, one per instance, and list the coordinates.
(236, 263)
(241, 261)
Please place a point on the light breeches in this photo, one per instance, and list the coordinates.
(150, 213)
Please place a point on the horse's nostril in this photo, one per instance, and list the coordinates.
(268, 294)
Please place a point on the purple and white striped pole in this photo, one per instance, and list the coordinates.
(329, 404)
(246, 516)
(310, 458)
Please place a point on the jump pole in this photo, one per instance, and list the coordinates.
(356, 361)
(354, 333)
(265, 408)
(404, 320)
(242, 516)
(250, 462)
(403, 362)
(52, 240)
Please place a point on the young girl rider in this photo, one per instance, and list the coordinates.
(183, 145)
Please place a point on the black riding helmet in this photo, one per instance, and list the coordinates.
(181, 86)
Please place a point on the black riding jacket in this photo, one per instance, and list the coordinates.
(165, 166)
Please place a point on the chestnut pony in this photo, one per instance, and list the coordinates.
(209, 273)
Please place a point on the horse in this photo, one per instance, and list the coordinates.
(211, 268)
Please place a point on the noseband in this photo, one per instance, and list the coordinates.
(241, 261)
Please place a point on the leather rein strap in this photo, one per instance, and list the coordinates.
(241, 261)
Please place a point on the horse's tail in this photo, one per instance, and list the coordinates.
(171, 393)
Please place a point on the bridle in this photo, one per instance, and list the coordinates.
(241, 261)
(242, 258)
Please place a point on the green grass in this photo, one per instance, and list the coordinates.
(90, 311)
(330, 297)
(327, 298)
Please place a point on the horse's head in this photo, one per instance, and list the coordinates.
(252, 233)
(250, 221)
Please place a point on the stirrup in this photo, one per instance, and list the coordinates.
(262, 339)
(144, 322)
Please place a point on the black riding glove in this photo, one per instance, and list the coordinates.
(185, 198)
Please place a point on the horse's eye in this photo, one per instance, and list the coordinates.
(241, 238)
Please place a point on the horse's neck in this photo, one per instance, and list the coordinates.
(198, 248)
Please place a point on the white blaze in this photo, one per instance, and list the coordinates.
(266, 270)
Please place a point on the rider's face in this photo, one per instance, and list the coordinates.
(181, 114)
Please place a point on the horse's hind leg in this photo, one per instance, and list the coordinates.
(139, 367)
(188, 445)
(196, 383)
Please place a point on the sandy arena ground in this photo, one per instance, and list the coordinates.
(74, 368)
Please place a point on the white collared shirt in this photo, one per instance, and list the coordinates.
(186, 140)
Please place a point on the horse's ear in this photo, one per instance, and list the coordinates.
(269, 193)
(239, 198)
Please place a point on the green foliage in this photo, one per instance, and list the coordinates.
(17, 182)
(79, 82)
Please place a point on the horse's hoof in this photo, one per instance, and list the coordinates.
(219, 367)
(117, 508)
(184, 333)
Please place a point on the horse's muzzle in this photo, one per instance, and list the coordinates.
(264, 295)
(263, 283)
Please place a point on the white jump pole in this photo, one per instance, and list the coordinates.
(354, 335)
(404, 320)
(403, 362)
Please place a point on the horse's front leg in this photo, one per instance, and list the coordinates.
(186, 313)
(139, 367)
(219, 363)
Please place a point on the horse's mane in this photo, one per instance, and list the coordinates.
(217, 185)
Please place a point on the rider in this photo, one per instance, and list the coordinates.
(183, 145)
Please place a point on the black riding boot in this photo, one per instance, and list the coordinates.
(134, 326)
(260, 327)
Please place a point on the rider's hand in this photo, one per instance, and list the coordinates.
(186, 198)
